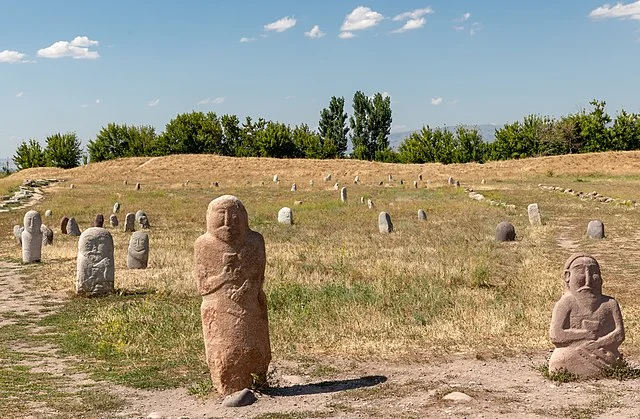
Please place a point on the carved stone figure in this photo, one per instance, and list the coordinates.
(229, 269)
(285, 216)
(451, 181)
(505, 232)
(48, 213)
(586, 326)
(47, 235)
(17, 233)
(137, 186)
(72, 227)
(534, 215)
(138, 252)
(63, 225)
(356, 179)
(130, 222)
(144, 222)
(343, 194)
(113, 220)
(95, 268)
(116, 208)
(294, 188)
(369, 203)
(415, 184)
(99, 221)
(384, 223)
(139, 214)
(276, 178)
(32, 237)
(422, 215)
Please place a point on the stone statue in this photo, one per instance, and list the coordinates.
(17, 233)
(129, 222)
(138, 253)
(384, 223)
(95, 269)
(63, 225)
(99, 221)
(113, 220)
(343, 194)
(32, 237)
(505, 232)
(285, 216)
(586, 326)
(72, 227)
(144, 222)
(116, 207)
(229, 269)
(47, 235)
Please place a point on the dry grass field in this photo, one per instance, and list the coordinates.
(337, 289)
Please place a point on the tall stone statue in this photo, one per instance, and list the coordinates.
(138, 252)
(229, 268)
(32, 237)
(586, 326)
(95, 268)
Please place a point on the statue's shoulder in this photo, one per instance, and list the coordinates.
(255, 238)
(610, 302)
(566, 301)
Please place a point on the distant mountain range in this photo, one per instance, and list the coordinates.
(487, 131)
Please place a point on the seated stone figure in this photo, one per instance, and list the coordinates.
(586, 326)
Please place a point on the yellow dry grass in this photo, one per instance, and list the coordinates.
(338, 287)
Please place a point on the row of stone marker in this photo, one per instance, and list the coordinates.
(586, 326)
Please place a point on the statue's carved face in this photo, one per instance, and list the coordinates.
(93, 247)
(227, 220)
(583, 277)
(32, 222)
(139, 242)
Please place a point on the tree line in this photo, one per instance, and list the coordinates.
(367, 128)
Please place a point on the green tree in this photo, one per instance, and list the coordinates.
(232, 135)
(379, 120)
(194, 132)
(359, 123)
(469, 145)
(418, 147)
(332, 126)
(593, 128)
(275, 140)
(115, 141)
(63, 150)
(29, 155)
(625, 132)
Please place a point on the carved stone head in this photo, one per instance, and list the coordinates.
(582, 276)
(227, 219)
(32, 221)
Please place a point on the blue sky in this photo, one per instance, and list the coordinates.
(78, 65)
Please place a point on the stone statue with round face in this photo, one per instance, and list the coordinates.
(138, 252)
(229, 269)
(32, 237)
(95, 268)
(586, 326)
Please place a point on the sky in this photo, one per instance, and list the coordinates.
(75, 66)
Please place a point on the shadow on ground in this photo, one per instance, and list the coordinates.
(326, 386)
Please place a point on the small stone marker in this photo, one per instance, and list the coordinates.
(216, 184)
(32, 237)
(116, 208)
(458, 397)
(144, 222)
(95, 267)
(63, 225)
(505, 232)
(595, 229)
(483, 181)
(285, 216)
(138, 251)
(48, 213)
(294, 188)
(422, 215)
(401, 182)
(229, 269)
(125, 183)
(47, 235)
(130, 222)
(137, 186)
(451, 181)
(384, 223)
(240, 398)
(457, 183)
(420, 177)
(362, 199)
(72, 186)
(356, 179)
(390, 178)
(369, 203)
(139, 214)
(586, 326)
(311, 182)
(336, 186)
(297, 202)
(381, 183)
(276, 178)
(113, 220)
(72, 227)
(415, 184)
(99, 221)
(327, 178)
(534, 215)
(343, 194)
(17, 234)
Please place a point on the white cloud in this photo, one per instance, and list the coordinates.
(85, 106)
(360, 18)
(619, 11)
(78, 48)
(475, 28)
(463, 18)
(346, 35)
(98, 101)
(245, 39)
(12, 57)
(19, 94)
(153, 103)
(454, 101)
(214, 101)
(281, 25)
(410, 25)
(458, 28)
(414, 14)
(314, 33)
(436, 101)
(290, 97)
